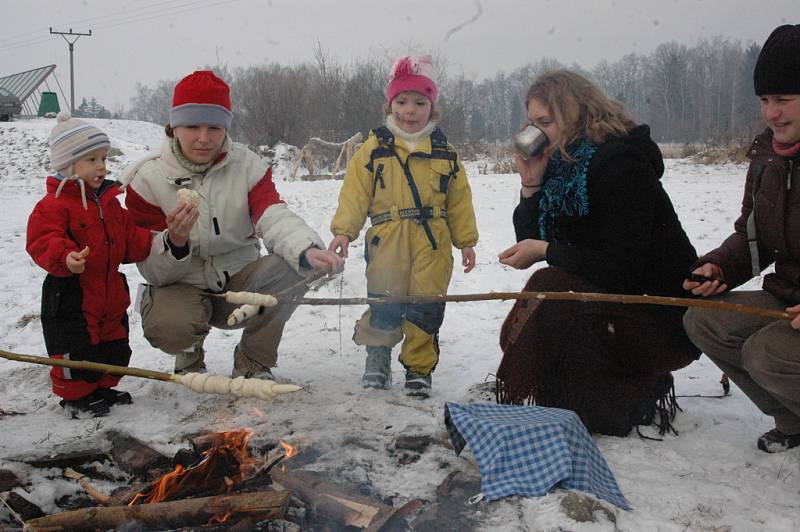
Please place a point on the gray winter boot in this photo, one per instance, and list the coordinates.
(191, 361)
(378, 369)
(250, 369)
(418, 385)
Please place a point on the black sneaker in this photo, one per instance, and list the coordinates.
(86, 407)
(776, 441)
(114, 397)
(418, 385)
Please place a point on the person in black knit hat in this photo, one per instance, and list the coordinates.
(762, 355)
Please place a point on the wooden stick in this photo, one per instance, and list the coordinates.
(556, 296)
(90, 490)
(201, 383)
(91, 366)
(186, 512)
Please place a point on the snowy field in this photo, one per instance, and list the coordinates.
(709, 478)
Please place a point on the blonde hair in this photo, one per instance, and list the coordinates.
(579, 108)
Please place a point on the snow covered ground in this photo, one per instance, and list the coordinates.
(710, 477)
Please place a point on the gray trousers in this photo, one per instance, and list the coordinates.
(176, 318)
(761, 355)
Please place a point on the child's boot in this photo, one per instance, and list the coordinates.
(114, 397)
(88, 406)
(418, 385)
(378, 369)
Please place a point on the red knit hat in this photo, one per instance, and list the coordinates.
(412, 73)
(201, 98)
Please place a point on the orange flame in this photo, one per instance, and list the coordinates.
(220, 518)
(227, 449)
(289, 450)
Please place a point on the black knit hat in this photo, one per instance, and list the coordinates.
(778, 67)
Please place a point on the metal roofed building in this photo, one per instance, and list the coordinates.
(27, 86)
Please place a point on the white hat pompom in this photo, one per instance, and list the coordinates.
(63, 116)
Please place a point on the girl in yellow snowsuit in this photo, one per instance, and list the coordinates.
(410, 183)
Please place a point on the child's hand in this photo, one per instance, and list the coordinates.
(339, 245)
(76, 260)
(468, 259)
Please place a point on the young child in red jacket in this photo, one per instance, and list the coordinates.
(80, 234)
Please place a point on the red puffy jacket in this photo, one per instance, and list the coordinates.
(85, 309)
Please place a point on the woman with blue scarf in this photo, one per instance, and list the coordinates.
(592, 206)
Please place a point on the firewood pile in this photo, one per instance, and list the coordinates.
(221, 481)
(325, 159)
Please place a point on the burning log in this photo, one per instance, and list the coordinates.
(334, 501)
(187, 512)
(226, 462)
(135, 456)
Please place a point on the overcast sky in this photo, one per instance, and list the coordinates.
(143, 41)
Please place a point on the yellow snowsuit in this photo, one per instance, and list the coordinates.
(408, 247)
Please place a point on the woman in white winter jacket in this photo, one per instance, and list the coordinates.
(210, 242)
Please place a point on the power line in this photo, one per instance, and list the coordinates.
(71, 44)
(118, 19)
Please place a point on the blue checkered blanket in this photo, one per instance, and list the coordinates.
(529, 450)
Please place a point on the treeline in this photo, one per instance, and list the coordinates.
(702, 93)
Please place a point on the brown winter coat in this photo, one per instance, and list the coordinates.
(777, 217)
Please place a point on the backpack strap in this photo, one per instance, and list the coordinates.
(752, 237)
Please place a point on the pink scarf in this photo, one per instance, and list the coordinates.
(785, 150)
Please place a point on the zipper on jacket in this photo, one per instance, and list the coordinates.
(789, 175)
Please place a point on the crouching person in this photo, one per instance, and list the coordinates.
(762, 355)
(80, 234)
(211, 244)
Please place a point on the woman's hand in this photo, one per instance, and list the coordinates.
(324, 260)
(531, 173)
(76, 260)
(340, 245)
(796, 320)
(180, 222)
(524, 253)
(468, 259)
(716, 284)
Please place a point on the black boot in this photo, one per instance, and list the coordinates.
(776, 441)
(89, 406)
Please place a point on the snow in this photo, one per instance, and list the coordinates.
(710, 477)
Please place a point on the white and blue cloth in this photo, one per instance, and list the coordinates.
(529, 450)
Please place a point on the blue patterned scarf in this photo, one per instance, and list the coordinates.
(565, 192)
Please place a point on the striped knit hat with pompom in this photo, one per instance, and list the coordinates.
(71, 139)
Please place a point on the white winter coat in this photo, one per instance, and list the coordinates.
(225, 238)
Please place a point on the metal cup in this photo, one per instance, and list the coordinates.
(530, 142)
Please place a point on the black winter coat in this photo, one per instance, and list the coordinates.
(777, 217)
(631, 240)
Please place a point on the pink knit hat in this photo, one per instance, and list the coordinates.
(201, 98)
(412, 73)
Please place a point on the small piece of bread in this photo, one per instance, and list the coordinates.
(187, 195)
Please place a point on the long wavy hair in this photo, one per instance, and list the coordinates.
(579, 108)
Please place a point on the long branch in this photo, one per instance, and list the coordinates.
(558, 296)
(89, 366)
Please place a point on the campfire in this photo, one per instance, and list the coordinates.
(219, 483)
(226, 463)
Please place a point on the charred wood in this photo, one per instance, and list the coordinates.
(187, 512)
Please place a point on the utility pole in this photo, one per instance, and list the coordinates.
(71, 64)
